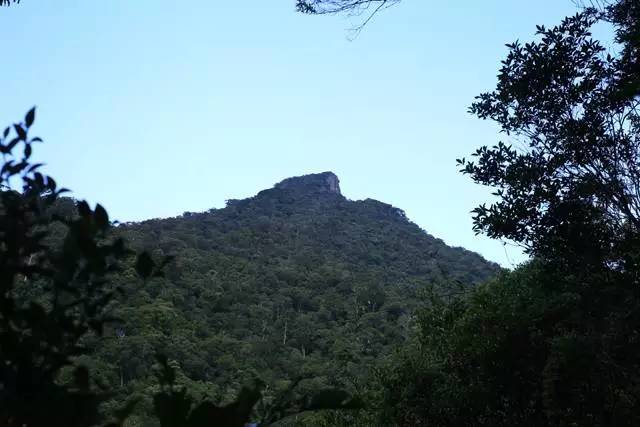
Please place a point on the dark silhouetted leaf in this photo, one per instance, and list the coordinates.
(22, 134)
(101, 217)
(30, 117)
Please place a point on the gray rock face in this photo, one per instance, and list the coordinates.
(325, 182)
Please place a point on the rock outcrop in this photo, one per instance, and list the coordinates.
(325, 182)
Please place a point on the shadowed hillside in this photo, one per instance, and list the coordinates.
(297, 282)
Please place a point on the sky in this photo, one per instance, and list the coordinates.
(157, 107)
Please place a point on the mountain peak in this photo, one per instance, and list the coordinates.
(325, 182)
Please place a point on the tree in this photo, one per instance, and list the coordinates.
(568, 184)
(316, 6)
(357, 7)
(63, 271)
(322, 7)
(518, 351)
(552, 343)
(351, 7)
(55, 293)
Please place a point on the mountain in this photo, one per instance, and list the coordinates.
(295, 282)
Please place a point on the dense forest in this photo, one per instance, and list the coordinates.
(300, 307)
(295, 284)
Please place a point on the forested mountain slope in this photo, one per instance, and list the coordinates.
(296, 282)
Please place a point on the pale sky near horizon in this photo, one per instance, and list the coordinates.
(156, 107)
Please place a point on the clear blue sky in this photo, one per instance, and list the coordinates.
(156, 107)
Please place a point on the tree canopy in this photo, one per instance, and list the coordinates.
(297, 285)
(553, 342)
(568, 179)
(85, 342)
(293, 300)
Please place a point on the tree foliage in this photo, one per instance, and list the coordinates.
(295, 286)
(519, 351)
(368, 8)
(323, 7)
(554, 342)
(337, 6)
(52, 299)
(78, 332)
(311, 292)
(568, 183)
(320, 7)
